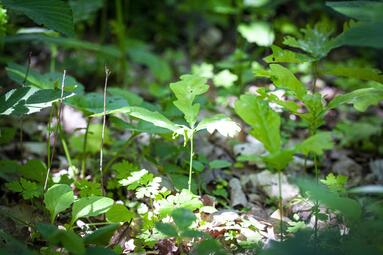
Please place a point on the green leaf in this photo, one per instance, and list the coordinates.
(209, 246)
(27, 188)
(360, 10)
(57, 199)
(130, 97)
(317, 144)
(224, 125)
(94, 139)
(361, 73)
(258, 32)
(119, 213)
(183, 218)
(279, 160)
(102, 235)
(218, 164)
(186, 91)
(335, 183)
(54, 14)
(167, 229)
(264, 121)
(360, 98)
(184, 199)
(84, 9)
(286, 56)
(224, 79)
(27, 100)
(90, 207)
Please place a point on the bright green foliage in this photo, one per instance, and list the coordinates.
(54, 14)
(314, 40)
(219, 163)
(119, 213)
(183, 218)
(88, 188)
(90, 207)
(360, 98)
(186, 91)
(264, 121)
(94, 139)
(283, 78)
(317, 144)
(286, 56)
(136, 179)
(335, 183)
(27, 100)
(57, 199)
(184, 199)
(64, 238)
(279, 159)
(257, 32)
(224, 125)
(27, 188)
(3, 22)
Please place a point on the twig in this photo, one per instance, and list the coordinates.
(57, 127)
(107, 73)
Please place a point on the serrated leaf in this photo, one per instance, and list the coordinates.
(54, 14)
(317, 144)
(264, 121)
(360, 98)
(28, 100)
(286, 56)
(90, 207)
(57, 199)
(224, 125)
(186, 91)
(183, 218)
(283, 78)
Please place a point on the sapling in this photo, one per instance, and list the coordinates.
(185, 91)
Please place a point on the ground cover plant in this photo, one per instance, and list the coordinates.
(191, 127)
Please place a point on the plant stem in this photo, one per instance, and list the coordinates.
(107, 73)
(120, 31)
(191, 162)
(84, 155)
(316, 202)
(280, 204)
(59, 109)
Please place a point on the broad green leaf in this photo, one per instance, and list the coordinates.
(258, 32)
(132, 98)
(28, 100)
(363, 34)
(283, 78)
(360, 98)
(119, 213)
(286, 56)
(314, 40)
(264, 121)
(279, 159)
(57, 199)
(186, 91)
(224, 125)
(94, 139)
(90, 207)
(183, 218)
(54, 14)
(166, 229)
(102, 235)
(66, 238)
(359, 10)
(349, 208)
(219, 163)
(317, 144)
(361, 73)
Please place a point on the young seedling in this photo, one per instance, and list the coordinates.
(185, 90)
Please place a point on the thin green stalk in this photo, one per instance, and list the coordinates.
(280, 204)
(191, 162)
(120, 31)
(65, 146)
(59, 109)
(49, 138)
(316, 212)
(107, 73)
(84, 155)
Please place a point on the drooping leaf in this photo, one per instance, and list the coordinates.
(119, 213)
(90, 207)
(224, 125)
(183, 218)
(286, 56)
(27, 100)
(317, 144)
(361, 99)
(54, 14)
(186, 91)
(283, 78)
(57, 199)
(264, 121)
(361, 73)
